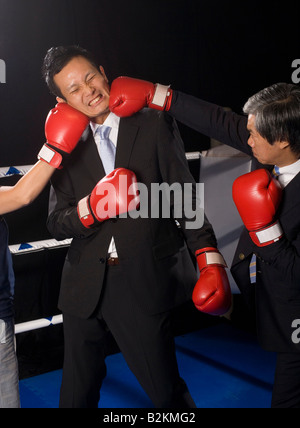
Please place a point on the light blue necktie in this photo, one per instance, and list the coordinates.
(107, 149)
(276, 172)
(253, 262)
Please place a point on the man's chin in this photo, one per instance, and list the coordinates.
(263, 162)
(98, 117)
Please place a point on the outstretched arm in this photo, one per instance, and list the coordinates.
(63, 129)
(27, 189)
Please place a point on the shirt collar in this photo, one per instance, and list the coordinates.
(287, 173)
(112, 120)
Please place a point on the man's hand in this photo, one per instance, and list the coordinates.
(63, 128)
(257, 196)
(212, 293)
(115, 194)
(128, 96)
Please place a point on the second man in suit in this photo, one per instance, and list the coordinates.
(266, 265)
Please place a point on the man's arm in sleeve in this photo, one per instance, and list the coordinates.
(63, 220)
(186, 206)
(211, 120)
(212, 293)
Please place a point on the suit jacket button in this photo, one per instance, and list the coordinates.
(102, 261)
(242, 256)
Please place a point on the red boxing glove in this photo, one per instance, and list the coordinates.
(115, 194)
(212, 293)
(128, 96)
(63, 128)
(257, 196)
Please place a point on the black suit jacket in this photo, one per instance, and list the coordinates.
(277, 291)
(154, 252)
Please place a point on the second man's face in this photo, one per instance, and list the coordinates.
(266, 153)
(85, 88)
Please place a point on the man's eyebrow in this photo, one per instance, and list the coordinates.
(88, 74)
(73, 85)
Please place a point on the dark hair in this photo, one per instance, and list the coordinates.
(57, 58)
(277, 114)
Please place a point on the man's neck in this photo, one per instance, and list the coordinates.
(99, 120)
(290, 159)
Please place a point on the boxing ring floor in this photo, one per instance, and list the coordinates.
(223, 366)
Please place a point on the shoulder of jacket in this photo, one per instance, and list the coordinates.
(147, 114)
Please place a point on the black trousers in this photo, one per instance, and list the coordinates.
(286, 391)
(146, 343)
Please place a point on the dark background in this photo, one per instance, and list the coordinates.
(222, 51)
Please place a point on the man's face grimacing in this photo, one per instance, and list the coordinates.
(85, 88)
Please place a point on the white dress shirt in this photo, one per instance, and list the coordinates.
(113, 121)
(287, 173)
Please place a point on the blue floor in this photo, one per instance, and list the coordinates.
(224, 367)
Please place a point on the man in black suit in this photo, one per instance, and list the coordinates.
(124, 274)
(271, 134)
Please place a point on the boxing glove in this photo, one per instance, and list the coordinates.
(128, 96)
(212, 293)
(63, 128)
(115, 194)
(257, 196)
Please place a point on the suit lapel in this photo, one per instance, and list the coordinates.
(126, 140)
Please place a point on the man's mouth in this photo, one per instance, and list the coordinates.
(96, 100)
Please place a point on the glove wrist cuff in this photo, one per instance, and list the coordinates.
(209, 257)
(85, 212)
(50, 156)
(268, 235)
(162, 98)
